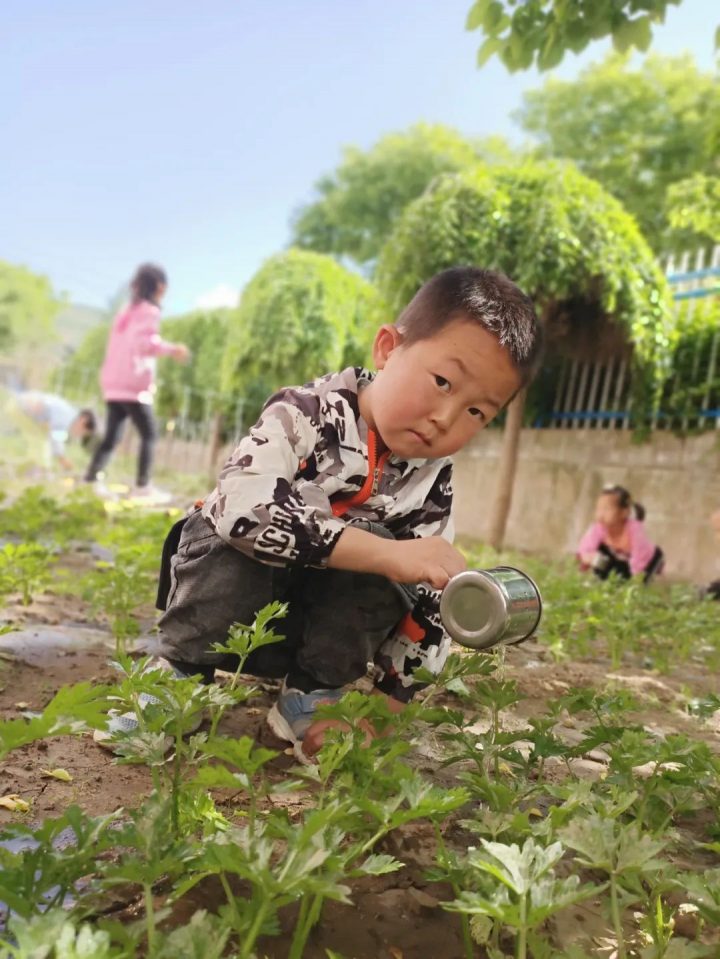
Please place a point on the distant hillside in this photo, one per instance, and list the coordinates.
(74, 321)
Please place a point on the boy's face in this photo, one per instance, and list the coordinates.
(431, 397)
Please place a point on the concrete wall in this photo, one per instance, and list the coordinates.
(560, 473)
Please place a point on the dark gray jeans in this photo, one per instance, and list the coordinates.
(336, 623)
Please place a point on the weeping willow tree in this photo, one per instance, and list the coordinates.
(193, 389)
(300, 316)
(569, 245)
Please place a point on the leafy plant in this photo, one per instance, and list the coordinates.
(25, 569)
(620, 851)
(517, 887)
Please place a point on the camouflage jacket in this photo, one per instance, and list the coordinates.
(306, 469)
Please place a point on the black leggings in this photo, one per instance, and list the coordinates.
(608, 562)
(142, 417)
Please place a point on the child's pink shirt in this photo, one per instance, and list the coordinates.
(641, 549)
(128, 373)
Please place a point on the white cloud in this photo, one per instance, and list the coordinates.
(220, 296)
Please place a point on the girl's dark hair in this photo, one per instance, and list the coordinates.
(624, 499)
(146, 282)
(90, 422)
(486, 297)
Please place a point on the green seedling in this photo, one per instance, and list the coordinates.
(35, 517)
(278, 865)
(119, 589)
(457, 671)
(451, 868)
(165, 725)
(672, 776)
(131, 528)
(703, 706)
(73, 709)
(54, 935)
(241, 642)
(622, 852)
(516, 886)
(704, 891)
(545, 745)
(42, 876)
(26, 569)
(204, 937)
(657, 925)
(150, 851)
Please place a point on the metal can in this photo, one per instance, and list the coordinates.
(481, 608)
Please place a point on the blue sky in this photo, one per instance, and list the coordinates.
(188, 132)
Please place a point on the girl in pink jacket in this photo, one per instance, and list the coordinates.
(616, 541)
(128, 372)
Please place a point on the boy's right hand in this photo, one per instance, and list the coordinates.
(430, 559)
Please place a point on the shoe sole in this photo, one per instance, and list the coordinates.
(283, 730)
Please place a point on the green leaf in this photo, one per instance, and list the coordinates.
(490, 46)
(243, 753)
(380, 864)
(204, 937)
(633, 33)
(476, 14)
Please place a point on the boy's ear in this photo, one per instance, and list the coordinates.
(386, 339)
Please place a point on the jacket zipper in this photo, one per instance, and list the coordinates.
(372, 480)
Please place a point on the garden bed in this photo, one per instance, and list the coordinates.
(535, 803)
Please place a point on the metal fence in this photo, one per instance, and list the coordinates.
(596, 394)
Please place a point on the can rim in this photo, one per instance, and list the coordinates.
(471, 577)
(539, 599)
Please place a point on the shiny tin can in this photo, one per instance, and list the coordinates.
(481, 608)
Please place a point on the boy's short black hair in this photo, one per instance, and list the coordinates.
(486, 297)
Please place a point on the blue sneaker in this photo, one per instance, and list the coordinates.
(294, 712)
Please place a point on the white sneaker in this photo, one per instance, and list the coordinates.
(99, 488)
(150, 495)
(128, 722)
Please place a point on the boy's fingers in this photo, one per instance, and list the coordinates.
(438, 578)
(315, 735)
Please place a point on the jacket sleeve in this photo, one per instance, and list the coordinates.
(590, 541)
(420, 638)
(255, 508)
(149, 341)
(641, 549)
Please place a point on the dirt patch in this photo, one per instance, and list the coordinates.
(392, 917)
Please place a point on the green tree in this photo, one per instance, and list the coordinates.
(567, 243)
(300, 316)
(193, 389)
(78, 378)
(28, 307)
(635, 130)
(524, 33)
(694, 205)
(358, 204)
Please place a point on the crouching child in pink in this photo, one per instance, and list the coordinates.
(616, 542)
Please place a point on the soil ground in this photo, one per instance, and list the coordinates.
(393, 917)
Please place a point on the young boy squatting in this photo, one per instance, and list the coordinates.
(339, 502)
